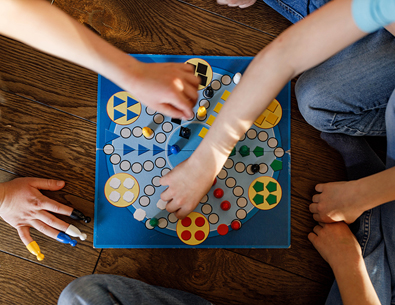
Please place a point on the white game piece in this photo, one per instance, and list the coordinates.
(161, 204)
(115, 196)
(139, 214)
(75, 232)
(237, 78)
(128, 196)
(115, 183)
(128, 183)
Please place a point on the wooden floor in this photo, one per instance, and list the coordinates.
(48, 129)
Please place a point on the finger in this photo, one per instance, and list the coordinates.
(166, 196)
(192, 79)
(312, 237)
(316, 198)
(319, 187)
(171, 111)
(54, 206)
(172, 207)
(44, 228)
(313, 208)
(317, 229)
(24, 235)
(52, 221)
(317, 218)
(182, 213)
(47, 184)
(191, 95)
(182, 103)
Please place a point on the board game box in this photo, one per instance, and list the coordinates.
(247, 207)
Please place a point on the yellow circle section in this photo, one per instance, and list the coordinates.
(121, 190)
(265, 193)
(271, 116)
(123, 108)
(193, 228)
(202, 69)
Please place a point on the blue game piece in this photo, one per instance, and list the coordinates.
(175, 149)
(64, 238)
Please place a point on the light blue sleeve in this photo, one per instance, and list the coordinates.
(370, 15)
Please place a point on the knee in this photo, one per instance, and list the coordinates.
(390, 111)
(79, 290)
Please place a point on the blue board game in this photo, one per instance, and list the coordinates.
(248, 205)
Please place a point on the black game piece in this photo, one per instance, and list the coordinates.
(209, 92)
(177, 121)
(185, 132)
(77, 215)
(255, 168)
(201, 69)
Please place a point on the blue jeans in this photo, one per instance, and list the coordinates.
(354, 93)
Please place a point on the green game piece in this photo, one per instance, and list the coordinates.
(244, 150)
(233, 152)
(258, 151)
(276, 165)
(271, 199)
(258, 199)
(258, 187)
(154, 222)
(271, 186)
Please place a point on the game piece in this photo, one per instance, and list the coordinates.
(255, 168)
(218, 193)
(209, 92)
(75, 232)
(185, 132)
(201, 113)
(225, 205)
(131, 165)
(154, 222)
(215, 181)
(175, 149)
(147, 132)
(35, 250)
(77, 215)
(64, 238)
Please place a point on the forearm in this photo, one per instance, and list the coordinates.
(47, 28)
(302, 46)
(391, 28)
(354, 282)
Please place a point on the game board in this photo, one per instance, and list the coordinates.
(249, 205)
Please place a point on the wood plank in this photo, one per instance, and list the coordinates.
(57, 255)
(259, 16)
(217, 275)
(23, 282)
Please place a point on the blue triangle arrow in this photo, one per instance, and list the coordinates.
(131, 115)
(118, 101)
(157, 150)
(142, 150)
(131, 101)
(127, 149)
(118, 114)
(109, 136)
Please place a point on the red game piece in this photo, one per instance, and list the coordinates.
(235, 225)
(215, 181)
(225, 205)
(199, 235)
(186, 235)
(222, 229)
(218, 193)
(186, 222)
(200, 221)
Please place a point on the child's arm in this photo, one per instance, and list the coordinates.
(346, 201)
(23, 206)
(338, 246)
(300, 47)
(47, 28)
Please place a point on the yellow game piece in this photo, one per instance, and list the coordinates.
(35, 250)
(203, 132)
(225, 95)
(272, 107)
(271, 118)
(210, 120)
(218, 107)
(147, 132)
(201, 111)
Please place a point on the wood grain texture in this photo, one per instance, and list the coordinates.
(217, 275)
(23, 282)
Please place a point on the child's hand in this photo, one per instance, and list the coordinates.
(188, 183)
(22, 205)
(335, 242)
(170, 88)
(239, 3)
(337, 201)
